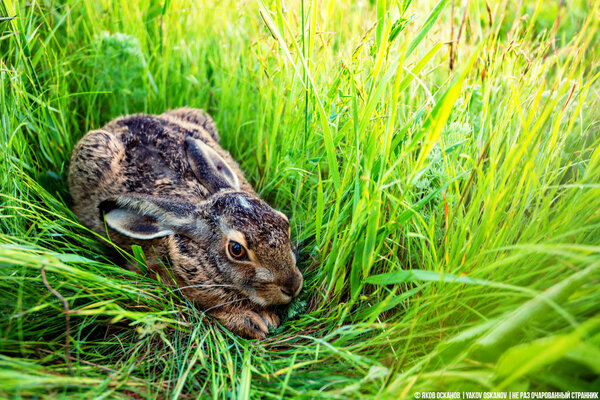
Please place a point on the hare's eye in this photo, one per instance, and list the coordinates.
(236, 250)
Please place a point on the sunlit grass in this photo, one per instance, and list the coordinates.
(448, 219)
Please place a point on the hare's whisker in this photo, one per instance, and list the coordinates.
(220, 305)
(202, 286)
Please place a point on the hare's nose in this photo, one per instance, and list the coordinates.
(292, 285)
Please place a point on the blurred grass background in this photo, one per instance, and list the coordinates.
(439, 162)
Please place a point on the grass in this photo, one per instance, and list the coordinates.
(448, 217)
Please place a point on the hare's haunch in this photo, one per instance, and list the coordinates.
(163, 182)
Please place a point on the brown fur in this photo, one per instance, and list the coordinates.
(163, 182)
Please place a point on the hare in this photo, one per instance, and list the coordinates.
(163, 182)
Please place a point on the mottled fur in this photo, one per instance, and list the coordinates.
(163, 182)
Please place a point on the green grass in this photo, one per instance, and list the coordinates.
(448, 220)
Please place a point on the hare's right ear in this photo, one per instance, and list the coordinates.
(209, 167)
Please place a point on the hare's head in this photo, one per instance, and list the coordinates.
(231, 239)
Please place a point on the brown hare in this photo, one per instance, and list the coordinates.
(163, 182)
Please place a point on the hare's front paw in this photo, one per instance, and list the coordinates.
(271, 319)
(248, 323)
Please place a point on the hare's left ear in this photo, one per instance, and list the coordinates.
(147, 217)
(209, 167)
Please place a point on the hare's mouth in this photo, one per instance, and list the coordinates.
(270, 296)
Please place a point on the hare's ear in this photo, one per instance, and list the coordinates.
(209, 167)
(134, 225)
(146, 217)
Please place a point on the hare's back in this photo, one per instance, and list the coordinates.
(155, 159)
(143, 154)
